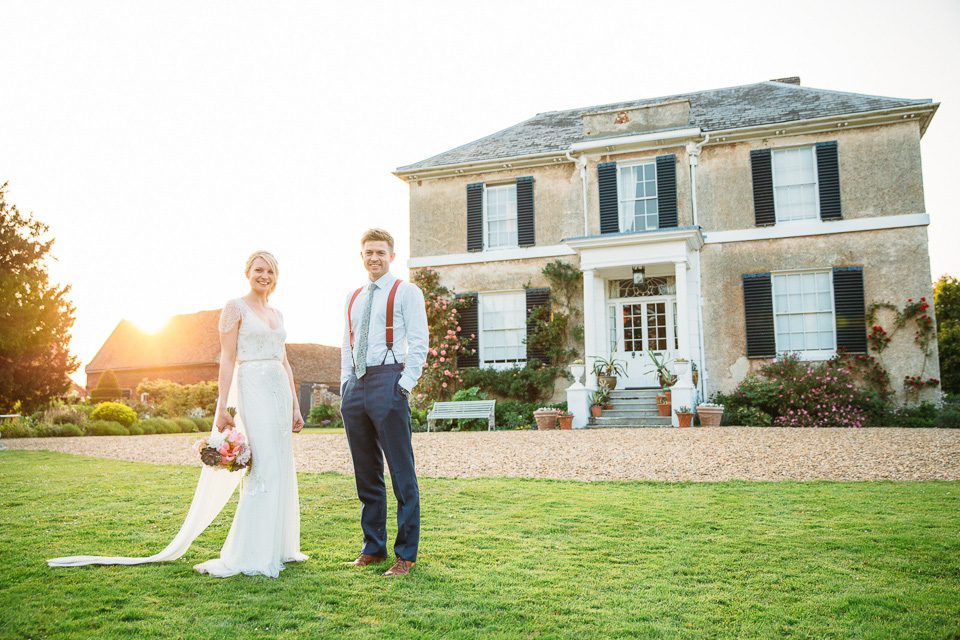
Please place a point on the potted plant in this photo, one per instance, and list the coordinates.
(663, 406)
(546, 418)
(684, 416)
(694, 373)
(607, 370)
(658, 366)
(596, 403)
(604, 390)
(710, 414)
(565, 420)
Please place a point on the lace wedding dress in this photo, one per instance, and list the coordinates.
(266, 527)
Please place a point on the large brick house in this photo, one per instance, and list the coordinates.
(187, 351)
(721, 226)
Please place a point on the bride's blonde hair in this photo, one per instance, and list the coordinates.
(271, 262)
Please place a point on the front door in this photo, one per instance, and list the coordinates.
(638, 327)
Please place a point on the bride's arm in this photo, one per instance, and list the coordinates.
(297, 417)
(228, 359)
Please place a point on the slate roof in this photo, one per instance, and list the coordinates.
(714, 110)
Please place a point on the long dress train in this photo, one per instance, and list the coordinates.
(265, 531)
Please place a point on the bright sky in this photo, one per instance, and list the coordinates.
(165, 141)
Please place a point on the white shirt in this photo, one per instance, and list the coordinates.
(410, 334)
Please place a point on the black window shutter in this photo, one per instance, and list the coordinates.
(469, 326)
(667, 191)
(536, 298)
(758, 312)
(475, 216)
(762, 171)
(609, 199)
(525, 233)
(828, 180)
(849, 309)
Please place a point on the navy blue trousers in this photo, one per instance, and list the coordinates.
(376, 417)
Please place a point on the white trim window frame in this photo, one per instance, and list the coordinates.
(638, 193)
(502, 324)
(796, 190)
(500, 216)
(804, 316)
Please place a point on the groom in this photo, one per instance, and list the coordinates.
(380, 362)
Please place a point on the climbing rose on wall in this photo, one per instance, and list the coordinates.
(440, 378)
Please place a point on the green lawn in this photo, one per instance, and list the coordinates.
(500, 558)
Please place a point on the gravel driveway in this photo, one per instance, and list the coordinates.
(701, 454)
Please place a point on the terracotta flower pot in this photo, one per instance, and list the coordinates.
(565, 422)
(546, 420)
(710, 416)
(596, 410)
(664, 410)
(669, 395)
(685, 419)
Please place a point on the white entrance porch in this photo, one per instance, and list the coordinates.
(641, 297)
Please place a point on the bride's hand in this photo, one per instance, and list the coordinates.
(223, 420)
(297, 421)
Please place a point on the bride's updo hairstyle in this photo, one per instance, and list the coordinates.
(270, 260)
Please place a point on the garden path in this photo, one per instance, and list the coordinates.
(698, 454)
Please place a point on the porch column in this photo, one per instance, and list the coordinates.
(683, 328)
(590, 326)
(683, 391)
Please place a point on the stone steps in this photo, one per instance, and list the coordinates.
(631, 408)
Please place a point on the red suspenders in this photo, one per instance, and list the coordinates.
(390, 299)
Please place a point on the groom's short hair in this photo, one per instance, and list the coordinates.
(377, 235)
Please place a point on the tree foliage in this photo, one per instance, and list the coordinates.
(167, 398)
(946, 298)
(35, 315)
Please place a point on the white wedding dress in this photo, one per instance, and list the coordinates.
(266, 527)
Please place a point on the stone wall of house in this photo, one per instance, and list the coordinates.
(896, 267)
(880, 175)
(505, 275)
(438, 208)
(130, 378)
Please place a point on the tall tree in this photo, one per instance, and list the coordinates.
(35, 315)
(946, 302)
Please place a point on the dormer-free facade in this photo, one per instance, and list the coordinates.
(723, 226)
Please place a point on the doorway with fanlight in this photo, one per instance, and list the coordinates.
(642, 320)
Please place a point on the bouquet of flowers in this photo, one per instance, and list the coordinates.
(225, 450)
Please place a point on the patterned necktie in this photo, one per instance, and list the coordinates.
(364, 330)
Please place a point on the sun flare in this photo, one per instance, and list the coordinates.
(151, 324)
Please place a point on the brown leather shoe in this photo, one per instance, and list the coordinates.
(400, 568)
(363, 560)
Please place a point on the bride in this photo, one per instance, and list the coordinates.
(255, 377)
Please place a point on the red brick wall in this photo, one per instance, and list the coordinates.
(129, 379)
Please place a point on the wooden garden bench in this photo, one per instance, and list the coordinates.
(465, 409)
